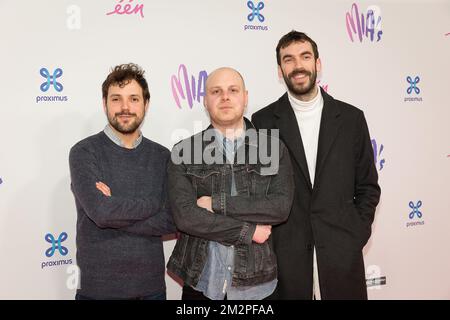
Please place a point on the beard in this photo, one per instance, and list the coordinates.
(128, 128)
(304, 88)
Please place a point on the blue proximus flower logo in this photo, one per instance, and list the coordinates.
(413, 84)
(415, 209)
(51, 79)
(56, 244)
(255, 11)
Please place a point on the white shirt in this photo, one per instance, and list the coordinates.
(308, 114)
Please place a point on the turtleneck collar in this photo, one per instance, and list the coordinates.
(299, 105)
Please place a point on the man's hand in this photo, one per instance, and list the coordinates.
(262, 233)
(205, 202)
(103, 188)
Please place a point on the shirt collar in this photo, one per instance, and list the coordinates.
(220, 137)
(114, 138)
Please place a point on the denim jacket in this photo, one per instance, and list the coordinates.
(264, 196)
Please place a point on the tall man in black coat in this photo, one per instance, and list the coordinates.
(319, 248)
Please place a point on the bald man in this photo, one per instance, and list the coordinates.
(226, 200)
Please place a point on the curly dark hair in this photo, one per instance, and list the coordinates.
(122, 75)
(295, 36)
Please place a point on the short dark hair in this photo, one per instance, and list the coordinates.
(122, 75)
(295, 36)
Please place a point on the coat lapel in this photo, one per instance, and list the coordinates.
(329, 127)
(290, 133)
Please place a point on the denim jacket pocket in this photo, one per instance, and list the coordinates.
(259, 179)
(241, 180)
(263, 258)
(204, 179)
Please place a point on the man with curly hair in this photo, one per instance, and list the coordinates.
(118, 178)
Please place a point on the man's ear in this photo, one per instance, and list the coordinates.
(280, 73)
(318, 65)
(246, 99)
(104, 106)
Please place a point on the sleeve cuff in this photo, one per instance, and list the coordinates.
(218, 203)
(247, 232)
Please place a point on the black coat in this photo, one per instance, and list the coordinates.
(336, 215)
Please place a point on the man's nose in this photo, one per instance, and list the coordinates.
(225, 96)
(298, 64)
(125, 105)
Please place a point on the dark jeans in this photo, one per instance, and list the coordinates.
(155, 296)
(191, 294)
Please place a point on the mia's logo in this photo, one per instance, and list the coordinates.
(1, 181)
(415, 214)
(255, 16)
(185, 88)
(51, 79)
(413, 89)
(56, 244)
(367, 25)
(378, 158)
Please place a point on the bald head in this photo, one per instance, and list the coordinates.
(225, 98)
(223, 71)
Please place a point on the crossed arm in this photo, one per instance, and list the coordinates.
(247, 218)
(150, 216)
(262, 232)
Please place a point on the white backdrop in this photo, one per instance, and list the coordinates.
(408, 255)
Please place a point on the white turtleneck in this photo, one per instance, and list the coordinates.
(308, 114)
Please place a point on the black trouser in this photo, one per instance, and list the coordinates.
(190, 293)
